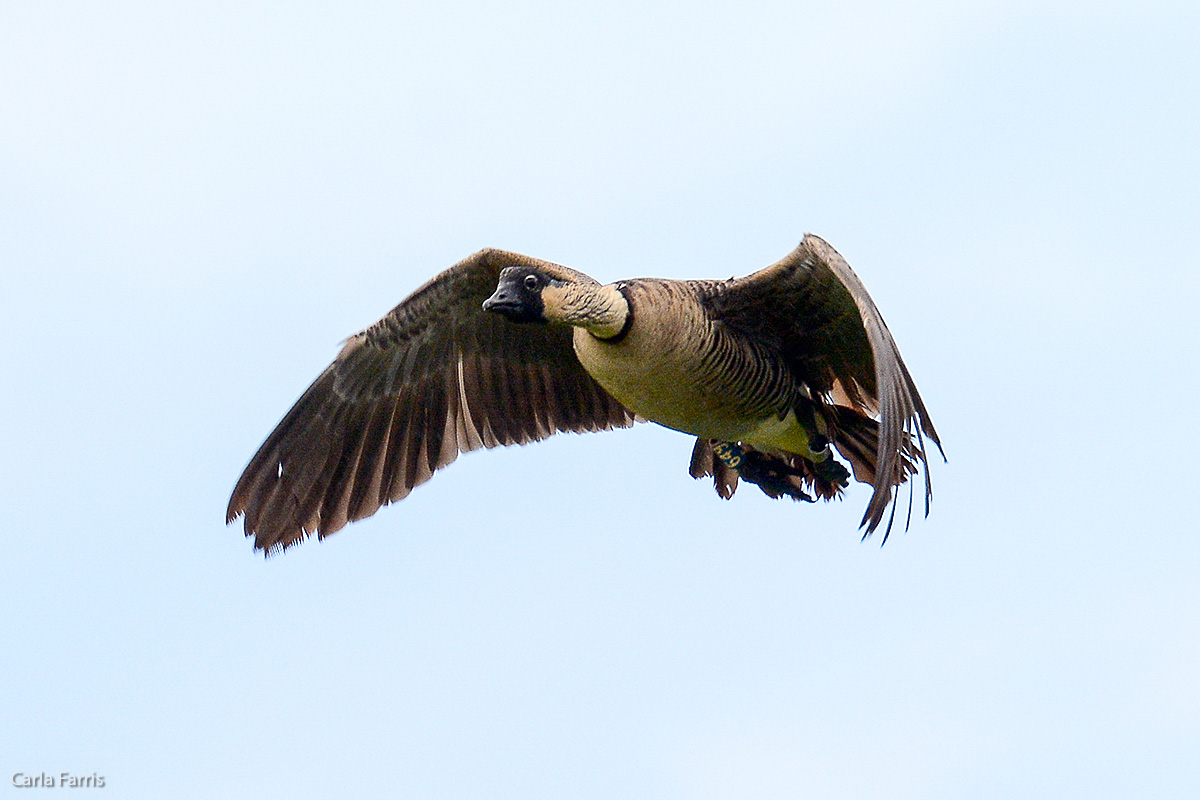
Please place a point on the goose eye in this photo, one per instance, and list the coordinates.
(531, 281)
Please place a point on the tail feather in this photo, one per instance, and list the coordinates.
(856, 437)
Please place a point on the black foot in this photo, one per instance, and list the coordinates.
(773, 475)
(832, 471)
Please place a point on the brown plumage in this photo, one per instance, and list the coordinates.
(766, 371)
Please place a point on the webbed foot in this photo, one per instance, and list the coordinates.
(775, 476)
(830, 469)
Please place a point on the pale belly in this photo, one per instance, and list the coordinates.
(664, 391)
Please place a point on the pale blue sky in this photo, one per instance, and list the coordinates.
(198, 201)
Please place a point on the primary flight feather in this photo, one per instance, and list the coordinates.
(772, 373)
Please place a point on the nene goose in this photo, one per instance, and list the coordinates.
(770, 372)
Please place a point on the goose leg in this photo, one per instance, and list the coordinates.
(771, 474)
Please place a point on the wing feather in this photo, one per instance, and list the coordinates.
(817, 310)
(435, 377)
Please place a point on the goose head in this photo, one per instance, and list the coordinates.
(529, 294)
(518, 295)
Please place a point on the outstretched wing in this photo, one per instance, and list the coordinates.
(814, 308)
(435, 377)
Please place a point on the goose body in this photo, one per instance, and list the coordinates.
(772, 373)
(657, 371)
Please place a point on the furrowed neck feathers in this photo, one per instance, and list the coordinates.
(600, 310)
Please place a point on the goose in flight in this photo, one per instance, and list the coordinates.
(775, 374)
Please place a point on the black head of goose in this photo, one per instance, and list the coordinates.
(773, 373)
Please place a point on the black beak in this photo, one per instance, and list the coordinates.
(515, 303)
(502, 301)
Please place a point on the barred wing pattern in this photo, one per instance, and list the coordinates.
(813, 307)
(435, 377)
